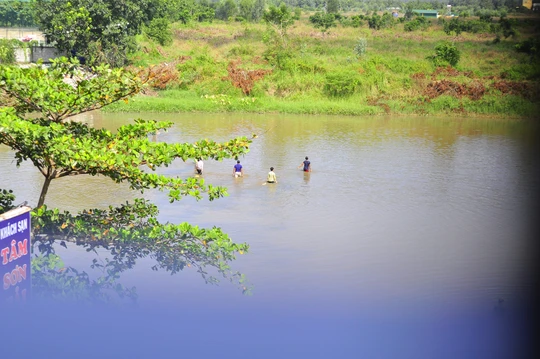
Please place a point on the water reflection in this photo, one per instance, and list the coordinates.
(307, 176)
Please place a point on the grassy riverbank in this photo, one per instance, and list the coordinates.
(394, 76)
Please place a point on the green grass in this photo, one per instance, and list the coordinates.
(392, 76)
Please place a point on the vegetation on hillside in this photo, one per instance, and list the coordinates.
(312, 56)
(367, 64)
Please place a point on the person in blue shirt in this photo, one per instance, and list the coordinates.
(238, 171)
(306, 164)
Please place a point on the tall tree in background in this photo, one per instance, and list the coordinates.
(226, 9)
(258, 9)
(279, 20)
(97, 30)
(332, 6)
(245, 9)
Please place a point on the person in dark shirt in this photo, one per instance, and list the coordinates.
(306, 164)
(238, 171)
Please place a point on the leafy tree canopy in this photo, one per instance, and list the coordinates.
(97, 30)
(323, 21)
(39, 128)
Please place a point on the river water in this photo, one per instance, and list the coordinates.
(399, 216)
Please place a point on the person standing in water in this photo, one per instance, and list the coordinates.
(306, 164)
(199, 166)
(238, 171)
(271, 176)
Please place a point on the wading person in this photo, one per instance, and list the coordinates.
(271, 176)
(306, 165)
(238, 170)
(199, 166)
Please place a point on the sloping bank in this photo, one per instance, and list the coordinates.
(493, 105)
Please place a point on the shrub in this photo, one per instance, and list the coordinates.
(297, 13)
(360, 48)
(446, 53)
(341, 84)
(357, 20)
(7, 52)
(378, 22)
(530, 46)
(454, 25)
(323, 21)
(159, 30)
(418, 23)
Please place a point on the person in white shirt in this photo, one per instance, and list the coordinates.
(199, 166)
(271, 176)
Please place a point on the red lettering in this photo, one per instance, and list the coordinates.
(13, 255)
(14, 277)
(4, 253)
(23, 248)
(22, 272)
(17, 275)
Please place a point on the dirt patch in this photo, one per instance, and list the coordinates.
(244, 79)
(518, 88)
(159, 77)
(376, 102)
(473, 91)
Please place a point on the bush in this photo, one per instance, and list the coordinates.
(360, 48)
(297, 13)
(341, 84)
(418, 23)
(378, 22)
(530, 46)
(454, 25)
(357, 20)
(445, 54)
(159, 30)
(7, 52)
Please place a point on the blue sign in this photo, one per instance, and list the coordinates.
(15, 282)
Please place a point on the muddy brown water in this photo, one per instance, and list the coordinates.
(395, 209)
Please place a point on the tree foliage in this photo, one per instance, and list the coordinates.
(323, 21)
(16, 13)
(159, 30)
(7, 51)
(97, 30)
(60, 147)
(226, 10)
(332, 6)
(279, 18)
(446, 53)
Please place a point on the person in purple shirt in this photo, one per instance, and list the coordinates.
(306, 164)
(238, 171)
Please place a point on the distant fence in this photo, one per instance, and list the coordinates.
(44, 53)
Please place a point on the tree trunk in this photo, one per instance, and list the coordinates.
(44, 190)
